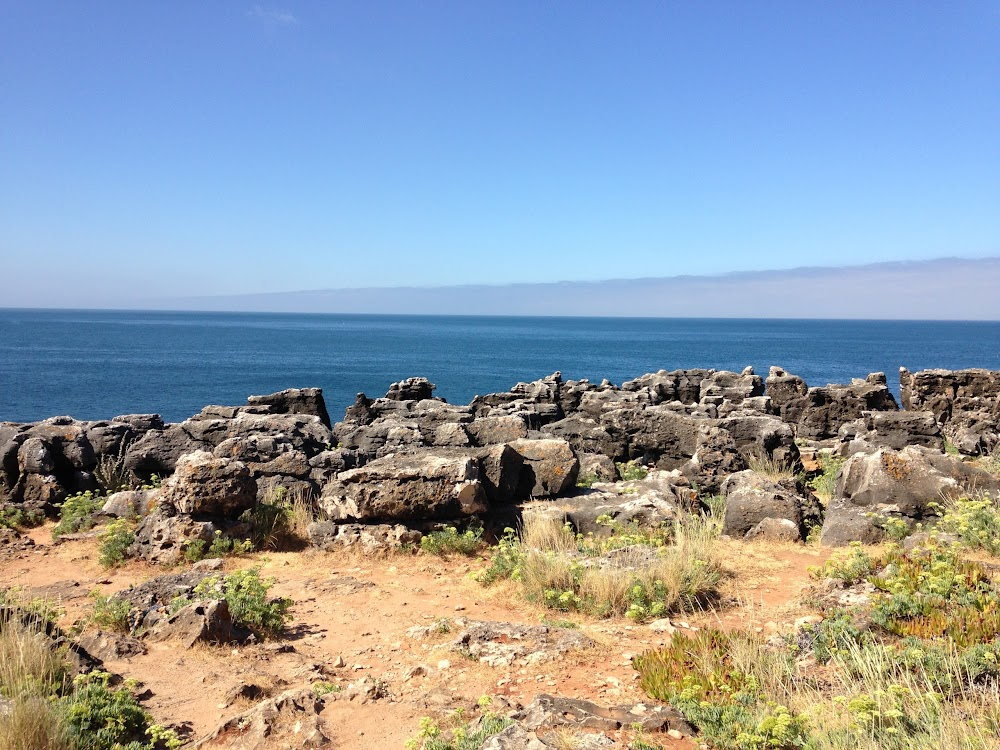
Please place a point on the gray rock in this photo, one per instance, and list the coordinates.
(295, 401)
(411, 389)
(422, 486)
(506, 644)
(550, 467)
(369, 538)
(203, 484)
(751, 499)
(775, 530)
(288, 721)
(162, 535)
(199, 622)
(128, 503)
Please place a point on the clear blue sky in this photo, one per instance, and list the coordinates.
(227, 147)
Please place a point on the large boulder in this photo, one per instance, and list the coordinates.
(158, 450)
(163, 535)
(411, 389)
(204, 484)
(892, 429)
(751, 499)
(550, 467)
(406, 487)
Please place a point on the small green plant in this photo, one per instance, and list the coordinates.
(975, 521)
(111, 474)
(448, 541)
(268, 522)
(247, 596)
(15, 517)
(455, 732)
(194, 550)
(222, 546)
(76, 513)
(949, 447)
(851, 565)
(631, 471)
(114, 542)
(45, 609)
(586, 481)
(110, 612)
(508, 556)
(825, 484)
(322, 687)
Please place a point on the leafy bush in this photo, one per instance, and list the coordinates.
(448, 541)
(851, 565)
(975, 521)
(110, 612)
(16, 517)
(586, 481)
(456, 733)
(246, 594)
(631, 471)
(75, 513)
(114, 542)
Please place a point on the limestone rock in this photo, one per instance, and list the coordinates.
(205, 485)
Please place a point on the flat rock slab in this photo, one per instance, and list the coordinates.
(508, 643)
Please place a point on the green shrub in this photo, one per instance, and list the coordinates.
(448, 541)
(824, 484)
(975, 521)
(223, 545)
(15, 517)
(631, 471)
(246, 594)
(455, 733)
(851, 565)
(110, 612)
(114, 542)
(508, 556)
(76, 513)
(586, 481)
(111, 473)
(268, 523)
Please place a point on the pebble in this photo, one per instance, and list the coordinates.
(444, 664)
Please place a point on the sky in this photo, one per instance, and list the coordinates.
(166, 149)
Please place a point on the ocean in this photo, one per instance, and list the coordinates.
(99, 364)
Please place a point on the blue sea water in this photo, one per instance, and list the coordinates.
(98, 364)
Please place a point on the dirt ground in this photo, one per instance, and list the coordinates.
(355, 611)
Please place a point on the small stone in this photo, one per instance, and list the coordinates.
(674, 734)
(339, 662)
(444, 664)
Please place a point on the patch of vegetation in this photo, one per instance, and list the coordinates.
(45, 609)
(824, 484)
(586, 481)
(975, 521)
(110, 612)
(16, 517)
(632, 471)
(76, 513)
(246, 593)
(767, 466)
(923, 673)
(850, 565)
(114, 542)
(448, 541)
(111, 473)
(221, 546)
(322, 687)
(45, 711)
(635, 572)
(457, 732)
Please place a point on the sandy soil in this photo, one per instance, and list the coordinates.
(355, 611)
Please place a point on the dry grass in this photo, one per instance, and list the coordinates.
(28, 663)
(542, 532)
(32, 724)
(768, 467)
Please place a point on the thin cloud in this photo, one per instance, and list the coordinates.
(270, 14)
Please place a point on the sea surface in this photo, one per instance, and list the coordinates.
(99, 364)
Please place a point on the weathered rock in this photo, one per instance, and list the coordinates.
(775, 530)
(892, 429)
(199, 622)
(550, 467)
(845, 523)
(909, 480)
(547, 711)
(289, 720)
(752, 498)
(715, 458)
(411, 389)
(157, 451)
(295, 401)
(505, 643)
(162, 535)
(498, 429)
(206, 485)
(111, 646)
(821, 411)
(406, 487)
(722, 386)
(128, 503)
(370, 538)
(596, 467)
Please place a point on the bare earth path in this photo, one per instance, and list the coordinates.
(350, 621)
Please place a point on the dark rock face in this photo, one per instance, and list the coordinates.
(199, 622)
(892, 429)
(163, 534)
(550, 467)
(295, 401)
(965, 402)
(411, 389)
(820, 411)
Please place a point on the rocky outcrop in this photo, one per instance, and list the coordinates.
(760, 507)
(965, 402)
(819, 412)
(204, 485)
(904, 484)
(891, 429)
